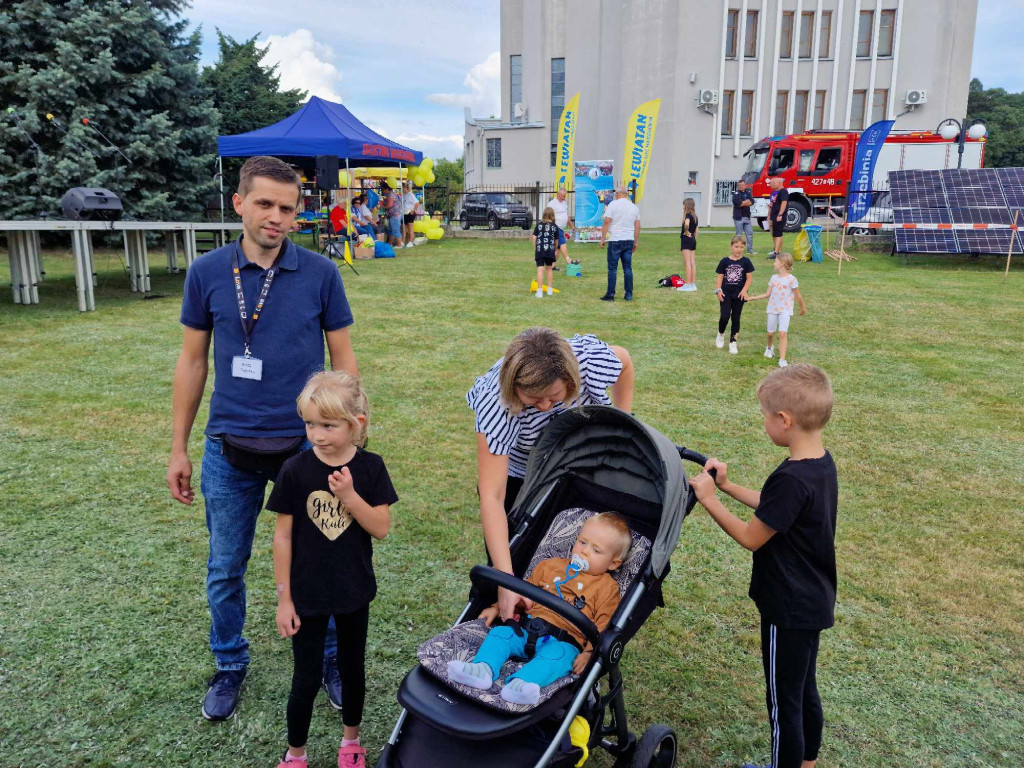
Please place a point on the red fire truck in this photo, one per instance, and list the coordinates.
(816, 167)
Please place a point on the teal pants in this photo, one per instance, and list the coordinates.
(552, 658)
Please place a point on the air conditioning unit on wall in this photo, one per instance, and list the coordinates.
(707, 97)
(915, 98)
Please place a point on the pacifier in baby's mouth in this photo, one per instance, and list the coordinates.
(579, 563)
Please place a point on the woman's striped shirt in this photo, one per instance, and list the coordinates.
(514, 435)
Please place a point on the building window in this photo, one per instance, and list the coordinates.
(825, 36)
(879, 105)
(886, 32)
(494, 153)
(515, 85)
(806, 34)
(781, 108)
(864, 28)
(731, 27)
(727, 101)
(819, 110)
(857, 110)
(724, 190)
(746, 113)
(786, 36)
(557, 102)
(469, 156)
(800, 112)
(750, 36)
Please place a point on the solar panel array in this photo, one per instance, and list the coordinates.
(961, 196)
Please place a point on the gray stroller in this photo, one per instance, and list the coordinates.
(587, 460)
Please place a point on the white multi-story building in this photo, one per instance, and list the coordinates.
(765, 67)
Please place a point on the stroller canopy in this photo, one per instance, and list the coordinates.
(614, 450)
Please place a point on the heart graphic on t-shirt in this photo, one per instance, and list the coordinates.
(328, 514)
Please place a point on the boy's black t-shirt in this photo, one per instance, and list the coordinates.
(735, 271)
(332, 556)
(776, 200)
(793, 581)
(547, 239)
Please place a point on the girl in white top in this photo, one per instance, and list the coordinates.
(783, 288)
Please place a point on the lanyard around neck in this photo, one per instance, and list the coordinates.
(249, 323)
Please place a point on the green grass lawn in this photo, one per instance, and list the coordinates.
(103, 638)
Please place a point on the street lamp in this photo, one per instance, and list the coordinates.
(950, 129)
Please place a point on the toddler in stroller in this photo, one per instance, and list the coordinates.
(587, 461)
(552, 645)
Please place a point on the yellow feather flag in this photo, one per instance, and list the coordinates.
(566, 143)
(348, 254)
(639, 143)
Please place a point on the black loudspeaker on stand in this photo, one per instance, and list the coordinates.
(91, 204)
(327, 172)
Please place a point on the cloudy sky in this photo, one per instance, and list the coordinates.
(408, 71)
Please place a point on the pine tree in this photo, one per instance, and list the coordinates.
(127, 66)
(244, 90)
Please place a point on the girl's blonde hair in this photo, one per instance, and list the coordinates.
(689, 206)
(548, 215)
(338, 396)
(534, 361)
(786, 259)
(738, 239)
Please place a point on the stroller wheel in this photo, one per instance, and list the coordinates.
(656, 749)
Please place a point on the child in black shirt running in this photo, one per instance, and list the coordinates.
(546, 244)
(735, 272)
(330, 500)
(792, 536)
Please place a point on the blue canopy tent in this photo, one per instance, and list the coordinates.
(320, 127)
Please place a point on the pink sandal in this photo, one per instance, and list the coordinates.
(287, 761)
(352, 756)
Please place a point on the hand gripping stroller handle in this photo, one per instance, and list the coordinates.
(541, 596)
(697, 458)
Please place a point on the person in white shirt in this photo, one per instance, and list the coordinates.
(410, 205)
(622, 231)
(560, 205)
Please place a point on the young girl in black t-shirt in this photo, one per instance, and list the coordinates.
(688, 244)
(545, 250)
(330, 500)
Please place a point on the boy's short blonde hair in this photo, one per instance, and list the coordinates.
(548, 215)
(536, 359)
(738, 239)
(618, 524)
(802, 390)
(338, 395)
(785, 258)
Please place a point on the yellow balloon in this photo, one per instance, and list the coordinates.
(430, 177)
(427, 164)
(435, 234)
(343, 178)
(392, 183)
(420, 226)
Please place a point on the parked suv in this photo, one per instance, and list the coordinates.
(495, 209)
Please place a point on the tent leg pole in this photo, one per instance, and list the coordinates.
(220, 177)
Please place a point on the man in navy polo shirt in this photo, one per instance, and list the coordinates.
(267, 305)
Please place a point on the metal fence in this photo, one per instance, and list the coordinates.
(483, 204)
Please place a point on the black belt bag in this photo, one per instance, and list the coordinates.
(260, 454)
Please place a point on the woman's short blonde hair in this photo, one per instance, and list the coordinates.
(534, 361)
(338, 396)
(802, 390)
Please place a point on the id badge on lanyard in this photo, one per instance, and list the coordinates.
(246, 366)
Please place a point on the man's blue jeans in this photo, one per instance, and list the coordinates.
(233, 498)
(551, 660)
(744, 227)
(620, 249)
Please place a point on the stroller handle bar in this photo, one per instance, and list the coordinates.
(697, 458)
(549, 600)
